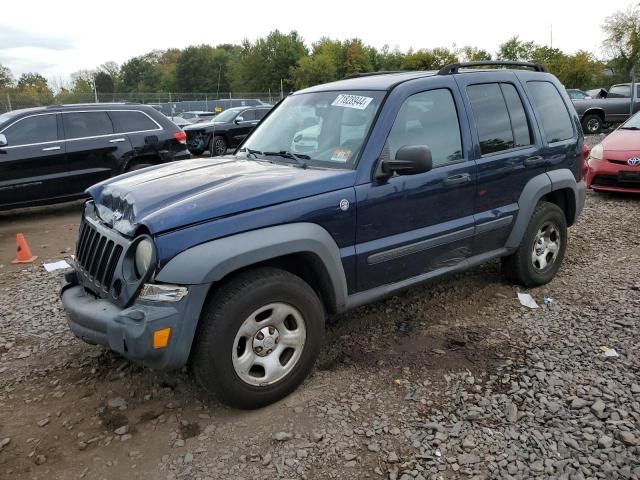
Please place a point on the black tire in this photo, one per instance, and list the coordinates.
(218, 146)
(196, 151)
(520, 267)
(229, 308)
(138, 166)
(592, 124)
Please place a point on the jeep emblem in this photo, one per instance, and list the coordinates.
(634, 161)
(344, 204)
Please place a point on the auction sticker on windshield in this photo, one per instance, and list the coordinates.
(352, 101)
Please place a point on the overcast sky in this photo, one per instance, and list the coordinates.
(58, 38)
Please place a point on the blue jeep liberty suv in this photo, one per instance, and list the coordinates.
(344, 194)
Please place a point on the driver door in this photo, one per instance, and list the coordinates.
(412, 224)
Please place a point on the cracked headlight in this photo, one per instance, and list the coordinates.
(143, 257)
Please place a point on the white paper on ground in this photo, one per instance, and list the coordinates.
(527, 300)
(611, 352)
(51, 267)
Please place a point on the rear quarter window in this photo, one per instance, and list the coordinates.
(551, 110)
(125, 121)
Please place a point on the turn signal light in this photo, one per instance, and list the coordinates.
(161, 337)
(180, 136)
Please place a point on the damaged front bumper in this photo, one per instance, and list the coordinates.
(130, 331)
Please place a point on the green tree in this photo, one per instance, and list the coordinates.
(261, 65)
(622, 41)
(139, 75)
(313, 70)
(474, 54)
(104, 83)
(6, 78)
(581, 70)
(515, 49)
(387, 59)
(34, 90)
(197, 69)
(356, 59)
(428, 59)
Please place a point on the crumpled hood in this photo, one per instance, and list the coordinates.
(191, 191)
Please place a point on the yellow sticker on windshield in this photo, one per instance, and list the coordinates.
(340, 155)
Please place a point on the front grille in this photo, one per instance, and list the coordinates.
(612, 181)
(97, 256)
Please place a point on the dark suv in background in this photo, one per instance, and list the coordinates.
(227, 130)
(53, 154)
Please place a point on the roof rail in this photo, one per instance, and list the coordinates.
(455, 67)
(370, 74)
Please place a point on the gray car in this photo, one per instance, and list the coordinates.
(596, 113)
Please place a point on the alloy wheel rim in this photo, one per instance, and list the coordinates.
(220, 147)
(546, 247)
(269, 344)
(593, 125)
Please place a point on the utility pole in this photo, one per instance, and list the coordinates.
(95, 90)
(281, 90)
(552, 35)
(9, 101)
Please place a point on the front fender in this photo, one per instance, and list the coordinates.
(212, 261)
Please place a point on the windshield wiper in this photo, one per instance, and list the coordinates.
(299, 158)
(629, 128)
(251, 151)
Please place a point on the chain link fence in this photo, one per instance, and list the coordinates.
(167, 102)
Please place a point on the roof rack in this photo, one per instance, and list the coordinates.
(455, 67)
(370, 74)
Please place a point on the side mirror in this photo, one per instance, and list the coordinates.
(239, 119)
(410, 160)
(3, 141)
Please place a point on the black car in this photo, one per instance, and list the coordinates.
(53, 154)
(227, 130)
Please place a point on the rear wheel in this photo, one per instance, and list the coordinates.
(592, 124)
(540, 254)
(218, 146)
(259, 337)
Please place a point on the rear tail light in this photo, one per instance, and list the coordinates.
(180, 136)
(584, 154)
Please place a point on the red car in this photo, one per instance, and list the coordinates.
(614, 164)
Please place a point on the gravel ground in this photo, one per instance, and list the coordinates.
(454, 379)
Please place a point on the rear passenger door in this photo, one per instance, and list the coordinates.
(139, 133)
(93, 151)
(508, 151)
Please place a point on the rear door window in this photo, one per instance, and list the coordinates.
(86, 124)
(35, 129)
(492, 119)
(124, 121)
(552, 111)
(517, 116)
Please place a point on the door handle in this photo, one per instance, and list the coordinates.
(535, 161)
(50, 149)
(117, 140)
(458, 179)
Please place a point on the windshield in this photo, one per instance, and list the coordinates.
(226, 116)
(327, 129)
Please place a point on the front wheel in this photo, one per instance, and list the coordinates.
(259, 337)
(540, 254)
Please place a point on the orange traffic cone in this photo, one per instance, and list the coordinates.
(24, 254)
